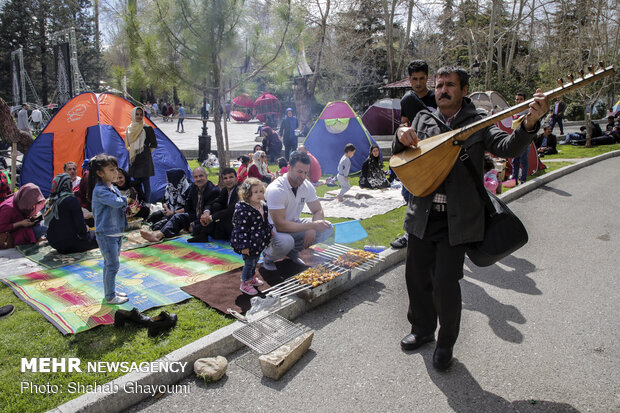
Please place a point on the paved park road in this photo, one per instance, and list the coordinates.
(539, 331)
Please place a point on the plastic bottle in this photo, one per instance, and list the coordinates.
(374, 248)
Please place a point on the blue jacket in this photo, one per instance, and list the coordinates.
(109, 210)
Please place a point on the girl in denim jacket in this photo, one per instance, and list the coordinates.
(110, 220)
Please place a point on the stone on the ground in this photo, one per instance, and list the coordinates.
(211, 368)
(279, 361)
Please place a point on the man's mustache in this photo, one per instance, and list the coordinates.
(445, 95)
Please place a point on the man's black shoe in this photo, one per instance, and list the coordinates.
(199, 238)
(442, 358)
(6, 310)
(398, 243)
(413, 341)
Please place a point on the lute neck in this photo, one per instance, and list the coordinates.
(468, 130)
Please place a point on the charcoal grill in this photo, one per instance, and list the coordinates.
(293, 286)
(267, 333)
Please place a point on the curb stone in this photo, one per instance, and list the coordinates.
(529, 186)
(221, 342)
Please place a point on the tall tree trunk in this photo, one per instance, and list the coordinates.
(43, 60)
(303, 93)
(588, 118)
(513, 38)
(490, 48)
(97, 35)
(303, 101)
(405, 41)
(223, 99)
(222, 153)
(388, 12)
(500, 63)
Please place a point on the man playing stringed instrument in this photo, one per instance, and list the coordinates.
(443, 222)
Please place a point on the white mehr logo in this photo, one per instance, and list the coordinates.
(76, 113)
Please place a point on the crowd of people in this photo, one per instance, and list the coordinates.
(259, 211)
(90, 210)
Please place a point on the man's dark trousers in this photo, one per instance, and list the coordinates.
(221, 230)
(289, 146)
(435, 268)
(556, 119)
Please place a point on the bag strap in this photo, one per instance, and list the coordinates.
(469, 164)
(464, 157)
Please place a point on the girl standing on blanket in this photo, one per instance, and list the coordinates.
(110, 220)
(251, 231)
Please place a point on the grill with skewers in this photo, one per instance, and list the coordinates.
(334, 271)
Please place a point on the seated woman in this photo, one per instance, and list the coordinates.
(175, 196)
(5, 186)
(372, 176)
(272, 144)
(135, 206)
(19, 215)
(67, 231)
(258, 168)
(81, 193)
(242, 172)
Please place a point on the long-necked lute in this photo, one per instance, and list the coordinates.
(423, 168)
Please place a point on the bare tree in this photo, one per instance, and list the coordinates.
(203, 35)
(305, 86)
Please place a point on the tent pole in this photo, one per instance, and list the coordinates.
(13, 165)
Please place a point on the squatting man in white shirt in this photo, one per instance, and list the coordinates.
(286, 197)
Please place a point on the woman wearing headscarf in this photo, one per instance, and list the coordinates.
(18, 215)
(81, 193)
(67, 231)
(258, 168)
(175, 196)
(287, 131)
(372, 176)
(272, 144)
(135, 204)
(140, 142)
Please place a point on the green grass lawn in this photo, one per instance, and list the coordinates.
(27, 334)
(551, 166)
(571, 151)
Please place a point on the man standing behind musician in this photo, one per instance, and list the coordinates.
(442, 223)
(520, 163)
(409, 107)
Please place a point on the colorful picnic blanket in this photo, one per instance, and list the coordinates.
(48, 257)
(71, 297)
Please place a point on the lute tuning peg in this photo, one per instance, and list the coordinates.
(581, 73)
(561, 82)
(591, 69)
(570, 77)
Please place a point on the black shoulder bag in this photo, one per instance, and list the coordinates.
(504, 233)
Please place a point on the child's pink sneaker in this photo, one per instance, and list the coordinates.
(255, 281)
(246, 288)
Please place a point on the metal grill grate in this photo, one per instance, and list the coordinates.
(267, 334)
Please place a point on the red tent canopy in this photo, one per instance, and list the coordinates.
(267, 104)
(243, 100)
(242, 106)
